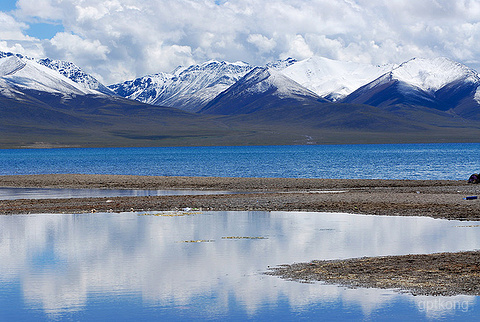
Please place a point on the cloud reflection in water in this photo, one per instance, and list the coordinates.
(64, 263)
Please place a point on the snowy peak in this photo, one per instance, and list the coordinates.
(430, 75)
(188, 88)
(7, 54)
(213, 65)
(262, 89)
(145, 89)
(439, 83)
(255, 81)
(261, 80)
(23, 73)
(210, 73)
(65, 68)
(75, 73)
(11, 65)
(333, 79)
(281, 64)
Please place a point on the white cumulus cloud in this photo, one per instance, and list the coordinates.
(11, 29)
(121, 39)
(263, 44)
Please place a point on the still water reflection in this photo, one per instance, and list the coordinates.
(208, 265)
(53, 193)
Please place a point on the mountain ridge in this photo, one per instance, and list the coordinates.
(440, 84)
(437, 83)
(333, 79)
(21, 73)
(414, 82)
(188, 88)
(67, 69)
(222, 103)
(262, 88)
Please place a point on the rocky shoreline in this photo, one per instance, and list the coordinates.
(438, 199)
(445, 274)
(433, 274)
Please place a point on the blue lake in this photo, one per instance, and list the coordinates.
(209, 266)
(394, 161)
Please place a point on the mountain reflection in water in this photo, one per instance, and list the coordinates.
(209, 265)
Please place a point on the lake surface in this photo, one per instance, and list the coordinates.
(209, 265)
(385, 161)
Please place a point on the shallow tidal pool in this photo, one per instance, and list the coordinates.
(190, 265)
(62, 193)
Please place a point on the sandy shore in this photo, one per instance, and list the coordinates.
(435, 274)
(439, 199)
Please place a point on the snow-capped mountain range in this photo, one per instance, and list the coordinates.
(47, 75)
(188, 88)
(313, 101)
(433, 82)
(438, 83)
(333, 79)
(75, 73)
(428, 75)
(191, 88)
(261, 88)
(24, 74)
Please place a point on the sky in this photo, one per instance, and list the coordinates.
(118, 40)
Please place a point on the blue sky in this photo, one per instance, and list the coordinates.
(7, 5)
(42, 30)
(121, 39)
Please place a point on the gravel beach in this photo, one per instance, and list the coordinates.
(434, 274)
(438, 199)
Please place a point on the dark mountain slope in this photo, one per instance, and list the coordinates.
(92, 121)
(389, 91)
(88, 120)
(439, 84)
(262, 89)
